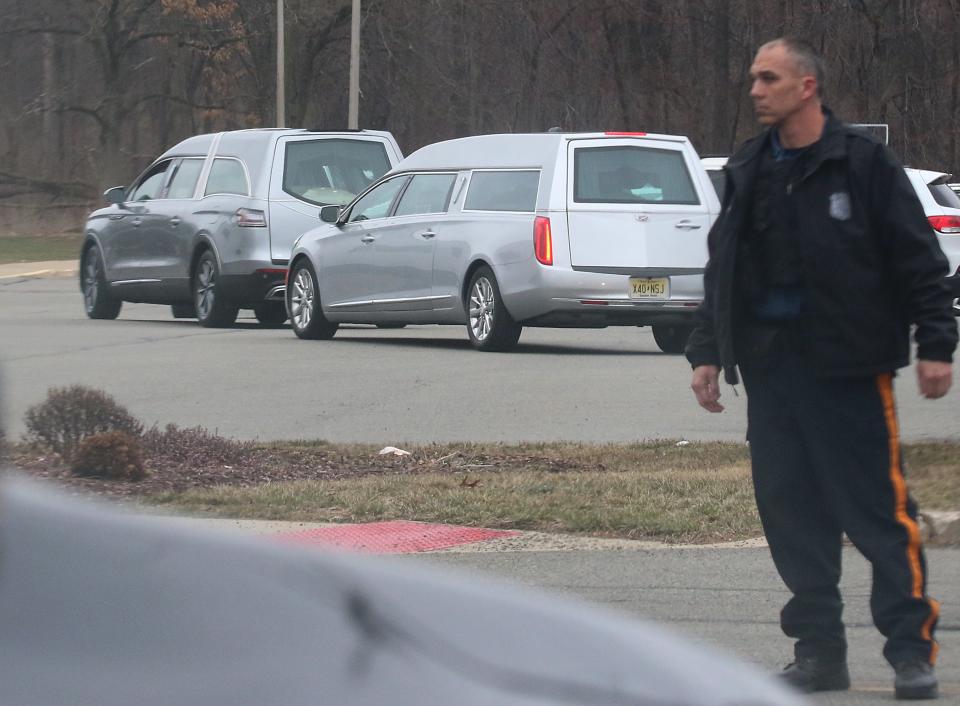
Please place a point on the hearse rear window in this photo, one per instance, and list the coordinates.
(332, 171)
(503, 190)
(624, 174)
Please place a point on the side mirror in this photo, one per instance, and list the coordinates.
(330, 214)
(115, 194)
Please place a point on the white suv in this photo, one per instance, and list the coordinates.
(942, 207)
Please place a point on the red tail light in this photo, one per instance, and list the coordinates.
(251, 218)
(542, 240)
(945, 224)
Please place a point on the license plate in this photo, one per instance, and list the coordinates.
(649, 287)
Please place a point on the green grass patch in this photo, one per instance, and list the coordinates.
(22, 248)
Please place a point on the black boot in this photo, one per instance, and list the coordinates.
(915, 679)
(809, 674)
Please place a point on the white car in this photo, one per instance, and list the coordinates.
(942, 207)
(940, 201)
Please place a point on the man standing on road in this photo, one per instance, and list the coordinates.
(820, 261)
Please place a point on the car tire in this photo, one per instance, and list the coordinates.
(183, 311)
(671, 338)
(212, 310)
(489, 324)
(98, 302)
(303, 304)
(271, 313)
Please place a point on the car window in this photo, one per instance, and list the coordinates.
(184, 179)
(624, 174)
(326, 172)
(151, 183)
(377, 203)
(719, 182)
(503, 190)
(944, 195)
(427, 193)
(227, 176)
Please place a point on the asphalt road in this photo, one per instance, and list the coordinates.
(419, 384)
(425, 384)
(728, 599)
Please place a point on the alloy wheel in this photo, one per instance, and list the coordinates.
(301, 299)
(482, 304)
(206, 288)
(91, 280)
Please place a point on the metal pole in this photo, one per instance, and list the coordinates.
(353, 120)
(281, 83)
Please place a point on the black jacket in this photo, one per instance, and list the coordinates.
(871, 262)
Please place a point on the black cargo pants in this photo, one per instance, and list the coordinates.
(826, 461)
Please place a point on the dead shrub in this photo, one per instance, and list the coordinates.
(193, 446)
(70, 414)
(114, 454)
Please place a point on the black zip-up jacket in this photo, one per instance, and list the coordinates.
(871, 263)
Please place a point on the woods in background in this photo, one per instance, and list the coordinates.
(93, 90)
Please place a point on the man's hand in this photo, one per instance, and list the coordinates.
(933, 378)
(706, 386)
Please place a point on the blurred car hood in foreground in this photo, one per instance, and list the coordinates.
(99, 607)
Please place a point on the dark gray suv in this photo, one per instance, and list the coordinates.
(209, 226)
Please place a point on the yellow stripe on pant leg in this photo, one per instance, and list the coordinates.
(885, 386)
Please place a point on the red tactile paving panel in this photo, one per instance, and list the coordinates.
(397, 537)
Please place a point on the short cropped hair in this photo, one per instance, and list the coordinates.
(807, 58)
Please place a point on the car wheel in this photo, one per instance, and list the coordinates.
(489, 324)
(98, 302)
(183, 311)
(212, 310)
(303, 303)
(271, 313)
(671, 338)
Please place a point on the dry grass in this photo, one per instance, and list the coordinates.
(670, 505)
(700, 492)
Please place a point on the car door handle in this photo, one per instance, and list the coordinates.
(427, 234)
(175, 221)
(137, 221)
(367, 239)
(687, 225)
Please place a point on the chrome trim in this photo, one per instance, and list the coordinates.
(340, 306)
(640, 271)
(135, 281)
(630, 303)
(368, 302)
(277, 293)
(412, 299)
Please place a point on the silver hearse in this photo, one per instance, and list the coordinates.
(499, 232)
(208, 227)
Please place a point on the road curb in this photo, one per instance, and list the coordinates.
(940, 528)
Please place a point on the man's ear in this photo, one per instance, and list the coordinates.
(808, 87)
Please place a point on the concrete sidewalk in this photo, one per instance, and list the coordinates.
(49, 268)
